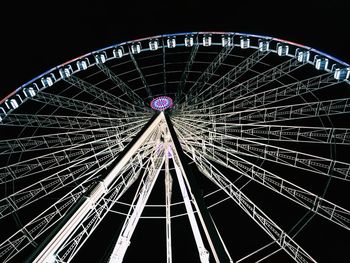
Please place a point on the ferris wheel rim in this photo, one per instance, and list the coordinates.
(183, 122)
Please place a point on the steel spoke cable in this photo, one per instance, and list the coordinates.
(53, 140)
(41, 223)
(207, 73)
(109, 98)
(268, 225)
(304, 134)
(63, 155)
(247, 86)
(284, 156)
(230, 77)
(77, 105)
(295, 193)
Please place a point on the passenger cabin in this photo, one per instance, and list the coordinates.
(66, 71)
(171, 42)
(11, 104)
(153, 44)
(342, 74)
(48, 80)
(136, 48)
(189, 41)
(282, 49)
(264, 45)
(301, 55)
(207, 40)
(100, 58)
(118, 52)
(244, 42)
(226, 41)
(82, 64)
(29, 92)
(321, 63)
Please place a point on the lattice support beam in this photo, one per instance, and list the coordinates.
(254, 212)
(49, 247)
(122, 85)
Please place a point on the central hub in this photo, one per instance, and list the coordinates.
(161, 103)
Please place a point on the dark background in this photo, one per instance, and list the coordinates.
(36, 36)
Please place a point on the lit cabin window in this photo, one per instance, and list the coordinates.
(136, 48)
(245, 42)
(100, 58)
(282, 49)
(226, 41)
(189, 41)
(171, 42)
(207, 40)
(29, 92)
(3, 114)
(13, 104)
(47, 81)
(342, 73)
(118, 52)
(82, 64)
(264, 45)
(153, 44)
(302, 55)
(321, 63)
(65, 72)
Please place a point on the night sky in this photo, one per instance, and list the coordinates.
(37, 37)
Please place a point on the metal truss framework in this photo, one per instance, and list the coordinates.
(260, 112)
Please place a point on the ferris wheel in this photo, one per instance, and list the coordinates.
(189, 147)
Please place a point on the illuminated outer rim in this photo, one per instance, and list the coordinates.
(20, 97)
(161, 103)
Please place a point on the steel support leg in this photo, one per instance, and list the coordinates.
(217, 246)
(46, 251)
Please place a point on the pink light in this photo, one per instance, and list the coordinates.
(161, 103)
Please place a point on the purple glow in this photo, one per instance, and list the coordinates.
(161, 103)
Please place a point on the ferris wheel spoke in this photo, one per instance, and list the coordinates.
(304, 134)
(64, 156)
(135, 98)
(109, 98)
(284, 156)
(54, 140)
(98, 191)
(266, 132)
(164, 68)
(285, 92)
(227, 92)
(59, 159)
(43, 222)
(57, 121)
(127, 177)
(76, 105)
(135, 211)
(39, 225)
(297, 194)
(206, 75)
(269, 226)
(142, 77)
(77, 172)
(28, 233)
(279, 113)
(187, 70)
(213, 90)
(292, 112)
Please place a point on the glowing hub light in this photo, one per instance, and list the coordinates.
(161, 103)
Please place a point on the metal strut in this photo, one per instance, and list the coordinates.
(46, 251)
(184, 170)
